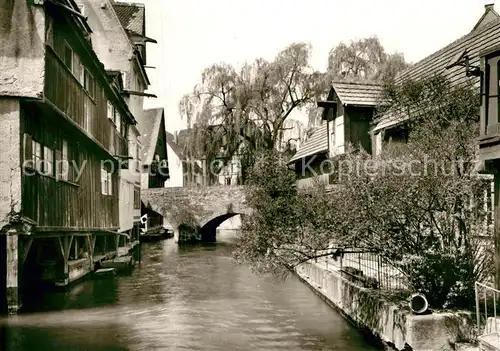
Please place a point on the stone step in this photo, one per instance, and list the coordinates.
(489, 342)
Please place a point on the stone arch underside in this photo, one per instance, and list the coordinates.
(209, 230)
(205, 208)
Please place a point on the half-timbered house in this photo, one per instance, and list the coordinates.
(120, 43)
(155, 170)
(60, 152)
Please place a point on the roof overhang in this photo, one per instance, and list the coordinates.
(139, 93)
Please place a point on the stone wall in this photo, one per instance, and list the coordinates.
(204, 203)
(22, 49)
(395, 326)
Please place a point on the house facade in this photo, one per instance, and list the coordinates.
(60, 197)
(120, 44)
(347, 115)
(470, 60)
(193, 171)
(489, 140)
(155, 165)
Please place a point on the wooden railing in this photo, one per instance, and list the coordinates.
(66, 93)
(64, 90)
(488, 321)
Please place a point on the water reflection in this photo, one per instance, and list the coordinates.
(190, 298)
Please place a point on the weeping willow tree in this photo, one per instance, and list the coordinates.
(243, 112)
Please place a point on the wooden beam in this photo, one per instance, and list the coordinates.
(139, 93)
(67, 246)
(61, 246)
(72, 230)
(117, 243)
(92, 243)
(26, 249)
(326, 104)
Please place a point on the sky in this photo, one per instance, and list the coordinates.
(193, 34)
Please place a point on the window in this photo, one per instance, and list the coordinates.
(137, 198)
(138, 157)
(48, 157)
(118, 121)
(111, 111)
(77, 68)
(68, 56)
(37, 155)
(64, 169)
(89, 83)
(106, 182)
(87, 112)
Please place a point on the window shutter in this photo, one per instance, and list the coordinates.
(27, 147)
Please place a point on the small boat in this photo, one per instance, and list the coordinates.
(105, 272)
(119, 263)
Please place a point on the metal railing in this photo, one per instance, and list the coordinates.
(366, 268)
(489, 297)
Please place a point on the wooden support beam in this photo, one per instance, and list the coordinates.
(65, 245)
(117, 243)
(26, 249)
(92, 244)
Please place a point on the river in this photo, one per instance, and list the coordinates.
(182, 299)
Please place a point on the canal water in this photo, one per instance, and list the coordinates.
(182, 299)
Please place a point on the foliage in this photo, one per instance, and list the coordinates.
(364, 59)
(418, 204)
(248, 108)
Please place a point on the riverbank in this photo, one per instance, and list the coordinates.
(179, 297)
(393, 326)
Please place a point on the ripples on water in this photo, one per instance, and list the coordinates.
(182, 299)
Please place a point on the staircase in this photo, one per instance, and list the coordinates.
(489, 342)
(487, 320)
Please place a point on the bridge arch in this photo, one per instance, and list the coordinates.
(210, 206)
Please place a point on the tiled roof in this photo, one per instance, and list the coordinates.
(476, 41)
(149, 128)
(317, 143)
(360, 94)
(482, 37)
(131, 15)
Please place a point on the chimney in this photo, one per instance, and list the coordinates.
(489, 7)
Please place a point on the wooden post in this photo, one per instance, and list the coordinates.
(12, 277)
(496, 226)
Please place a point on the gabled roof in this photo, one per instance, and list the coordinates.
(486, 34)
(174, 146)
(477, 40)
(489, 15)
(317, 143)
(358, 94)
(132, 16)
(150, 129)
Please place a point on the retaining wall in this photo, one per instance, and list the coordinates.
(393, 325)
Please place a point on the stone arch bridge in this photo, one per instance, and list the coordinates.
(196, 212)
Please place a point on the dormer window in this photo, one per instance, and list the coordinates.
(490, 84)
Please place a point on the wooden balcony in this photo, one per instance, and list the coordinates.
(64, 91)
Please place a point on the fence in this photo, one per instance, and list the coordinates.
(486, 298)
(367, 268)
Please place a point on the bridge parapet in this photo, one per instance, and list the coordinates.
(207, 205)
